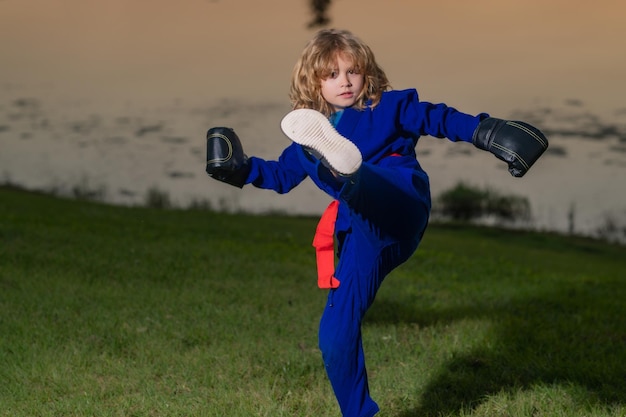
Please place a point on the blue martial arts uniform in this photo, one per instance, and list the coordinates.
(383, 212)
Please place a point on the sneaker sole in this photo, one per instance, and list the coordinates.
(312, 129)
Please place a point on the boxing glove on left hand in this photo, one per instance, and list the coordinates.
(225, 160)
(516, 143)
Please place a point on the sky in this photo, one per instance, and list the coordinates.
(477, 52)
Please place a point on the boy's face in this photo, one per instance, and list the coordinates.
(343, 86)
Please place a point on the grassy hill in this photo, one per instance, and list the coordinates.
(118, 311)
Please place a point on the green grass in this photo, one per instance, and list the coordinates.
(117, 311)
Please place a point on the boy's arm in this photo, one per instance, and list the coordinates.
(517, 143)
(226, 162)
(281, 175)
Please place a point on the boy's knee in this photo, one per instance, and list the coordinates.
(336, 343)
(334, 353)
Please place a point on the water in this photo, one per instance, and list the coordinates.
(117, 97)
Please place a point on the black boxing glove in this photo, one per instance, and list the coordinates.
(225, 160)
(516, 143)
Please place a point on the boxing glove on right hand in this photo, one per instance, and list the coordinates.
(225, 160)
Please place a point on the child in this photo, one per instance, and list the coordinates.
(355, 138)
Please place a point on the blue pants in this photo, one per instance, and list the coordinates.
(389, 209)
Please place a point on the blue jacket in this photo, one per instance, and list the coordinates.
(391, 128)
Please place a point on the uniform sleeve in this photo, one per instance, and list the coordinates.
(438, 120)
(281, 175)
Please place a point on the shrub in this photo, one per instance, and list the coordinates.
(467, 203)
(158, 199)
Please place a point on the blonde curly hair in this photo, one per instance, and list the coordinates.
(318, 59)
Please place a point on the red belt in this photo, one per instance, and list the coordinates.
(324, 244)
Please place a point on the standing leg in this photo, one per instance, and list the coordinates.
(362, 267)
(378, 243)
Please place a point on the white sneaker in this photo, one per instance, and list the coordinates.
(312, 130)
